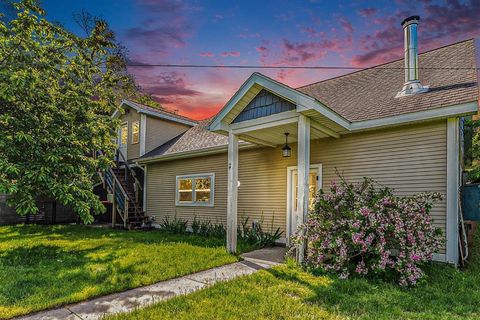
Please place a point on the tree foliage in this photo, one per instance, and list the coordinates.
(472, 149)
(57, 92)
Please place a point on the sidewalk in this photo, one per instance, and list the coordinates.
(144, 296)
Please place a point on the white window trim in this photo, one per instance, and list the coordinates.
(132, 134)
(195, 203)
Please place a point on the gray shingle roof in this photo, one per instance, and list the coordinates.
(370, 93)
(196, 138)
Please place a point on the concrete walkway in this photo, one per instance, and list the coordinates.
(144, 296)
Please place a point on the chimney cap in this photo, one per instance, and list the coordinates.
(411, 18)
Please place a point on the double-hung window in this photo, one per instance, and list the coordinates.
(195, 190)
(124, 134)
(135, 132)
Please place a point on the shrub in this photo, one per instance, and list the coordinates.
(177, 225)
(364, 230)
(207, 229)
(256, 235)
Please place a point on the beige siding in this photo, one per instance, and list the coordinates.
(133, 150)
(157, 132)
(161, 188)
(160, 131)
(410, 159)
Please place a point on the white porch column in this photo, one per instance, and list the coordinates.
(232, 192)
(143, 133)
(453, 183)
(303, 174)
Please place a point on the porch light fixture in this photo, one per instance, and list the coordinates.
(286, 150)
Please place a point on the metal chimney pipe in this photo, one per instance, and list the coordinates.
(412, 83)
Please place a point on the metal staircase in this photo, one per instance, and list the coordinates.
(125, 191)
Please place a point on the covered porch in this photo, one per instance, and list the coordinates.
(267, 113)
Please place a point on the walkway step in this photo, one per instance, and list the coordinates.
(144, 296)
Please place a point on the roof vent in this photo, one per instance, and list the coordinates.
(412, 83)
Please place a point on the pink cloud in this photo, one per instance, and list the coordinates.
(301, 52)
(368, 12)
(230, 54)
(346, 25)
(206, 54)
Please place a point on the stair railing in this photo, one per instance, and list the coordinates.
(120, 197)
(130, 174)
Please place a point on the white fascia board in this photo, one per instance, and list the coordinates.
(428, 115)
(265, 122)
(157, 115)
(195, 153)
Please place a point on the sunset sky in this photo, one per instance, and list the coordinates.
(327, 33)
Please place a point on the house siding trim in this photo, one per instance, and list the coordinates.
(453, 184)
(145, 189)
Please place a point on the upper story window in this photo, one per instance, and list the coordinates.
(124, 134)
(195, 190)
(135, 132)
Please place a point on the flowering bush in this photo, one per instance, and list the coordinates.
(364, 230)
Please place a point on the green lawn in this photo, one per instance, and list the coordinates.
(285, 292)
(46, 266)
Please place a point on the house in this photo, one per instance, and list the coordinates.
(396, 123)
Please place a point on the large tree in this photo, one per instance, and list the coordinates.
(57, 92)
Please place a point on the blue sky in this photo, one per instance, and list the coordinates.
(353, 33)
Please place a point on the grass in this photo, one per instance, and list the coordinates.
(47, 266)
(286, 292)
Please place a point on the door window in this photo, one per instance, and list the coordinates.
(312, 186)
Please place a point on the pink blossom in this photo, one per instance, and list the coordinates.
(359, 220)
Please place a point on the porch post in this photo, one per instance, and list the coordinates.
(232, 192)
(453, 184)
(303, 174)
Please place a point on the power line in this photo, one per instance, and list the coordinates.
(167, 65)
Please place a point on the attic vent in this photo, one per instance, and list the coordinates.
(412, 83)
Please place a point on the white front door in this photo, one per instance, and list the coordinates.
(314, 185)
(123, 139)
